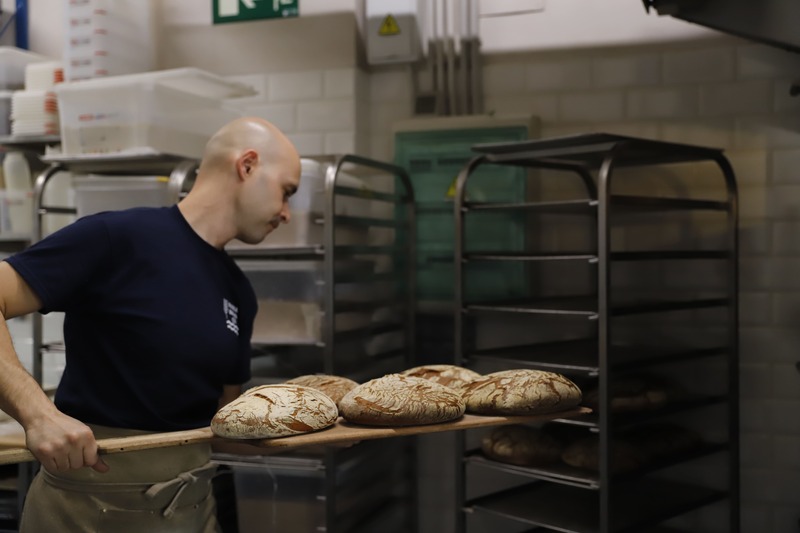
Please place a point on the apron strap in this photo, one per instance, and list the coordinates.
(182, 480)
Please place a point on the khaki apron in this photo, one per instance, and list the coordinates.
(151, 491)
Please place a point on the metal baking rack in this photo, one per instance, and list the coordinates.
(558, 496)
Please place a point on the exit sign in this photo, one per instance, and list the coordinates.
(240, 10)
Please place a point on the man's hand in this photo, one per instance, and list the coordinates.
(63, 443)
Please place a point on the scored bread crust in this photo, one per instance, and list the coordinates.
(271, 411)
(334, 386)
(455, 377)
(398, 400)
(521, 392)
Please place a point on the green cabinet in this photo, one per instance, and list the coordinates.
(433, 159)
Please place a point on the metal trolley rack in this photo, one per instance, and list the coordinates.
(601, 334)
(369, 486)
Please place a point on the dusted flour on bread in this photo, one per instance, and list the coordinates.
(455, 377)
(521, 392)
(272, 411)
(397, 400)
(334, 386)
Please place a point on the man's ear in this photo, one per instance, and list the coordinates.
(246, 163)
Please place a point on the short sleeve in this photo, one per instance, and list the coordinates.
(61, 267)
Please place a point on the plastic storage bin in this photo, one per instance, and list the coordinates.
(290, 296)
(112, 193)
(166, 112)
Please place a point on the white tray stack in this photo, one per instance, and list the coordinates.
(34, 111)
(14, 63)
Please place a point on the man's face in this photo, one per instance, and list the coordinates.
(265, 199)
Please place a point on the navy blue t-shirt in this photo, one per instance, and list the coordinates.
(156, 319)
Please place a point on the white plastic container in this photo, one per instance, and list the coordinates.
(16, 213)
(167, 112)
(18, 196)
(108, 38)
(13, 61)
(94, 194)
(5, 112)
(291, 299)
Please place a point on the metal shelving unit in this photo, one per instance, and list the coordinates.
(349, 490)
(583, 334)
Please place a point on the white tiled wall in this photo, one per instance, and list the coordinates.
(316, 109)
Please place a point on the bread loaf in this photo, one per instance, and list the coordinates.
(334, 386)
(521, 445)
(270, 411)
(455, 377)
(397, 400)
(521, 392)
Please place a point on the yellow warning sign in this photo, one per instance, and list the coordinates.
(389, 27)
(451, 191)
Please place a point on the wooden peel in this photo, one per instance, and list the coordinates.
(123, 444)
(340, 432)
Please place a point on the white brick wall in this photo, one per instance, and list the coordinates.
(321, 111)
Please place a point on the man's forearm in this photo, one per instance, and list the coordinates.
(20, 395)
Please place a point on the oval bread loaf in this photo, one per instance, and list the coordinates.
(455, 377)
(397, 400)
(521, 392)
(271, 411)
(521, 445)
(334, 386)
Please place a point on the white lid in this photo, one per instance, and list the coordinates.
(17, 57)
(190, 80)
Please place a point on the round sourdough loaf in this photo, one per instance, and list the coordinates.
(521, 392)
(271, 411)
(398, 400)
(455, 377)
(521, 445)
(334, 386)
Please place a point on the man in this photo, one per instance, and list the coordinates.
(157, 330)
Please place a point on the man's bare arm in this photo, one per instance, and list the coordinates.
(58, 441)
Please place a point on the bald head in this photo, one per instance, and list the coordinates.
(246, 133)
(248, 172)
